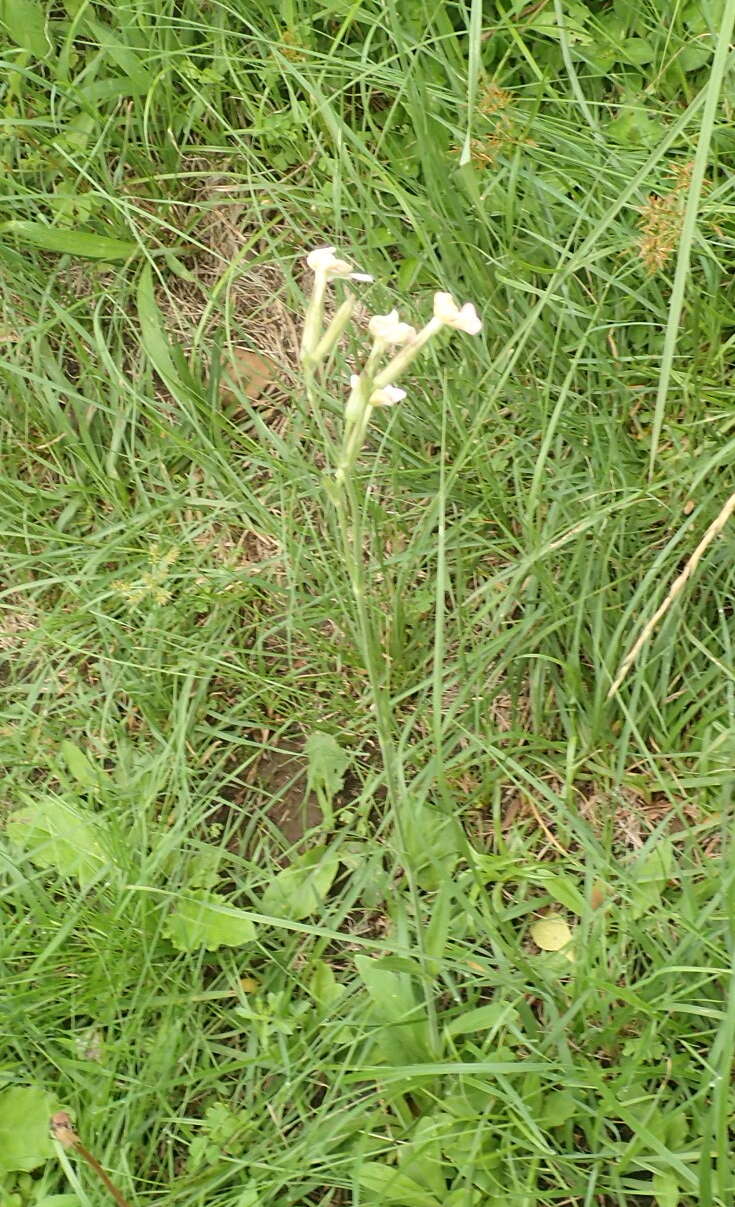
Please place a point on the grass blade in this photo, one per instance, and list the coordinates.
(714, 87)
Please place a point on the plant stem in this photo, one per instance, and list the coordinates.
(350, 528)
(68, 1138)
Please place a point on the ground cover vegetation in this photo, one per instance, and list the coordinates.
(255, 962)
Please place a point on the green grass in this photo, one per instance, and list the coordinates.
(178, 620)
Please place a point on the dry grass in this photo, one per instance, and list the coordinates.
(18, 618)
(238, 288)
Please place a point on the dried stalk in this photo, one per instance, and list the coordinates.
(63, 1131)
(677, 587)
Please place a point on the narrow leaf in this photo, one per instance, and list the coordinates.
(483, 1018)
(68, 242)
(79, 766)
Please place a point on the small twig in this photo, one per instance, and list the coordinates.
(63, 1131)
(677, 587)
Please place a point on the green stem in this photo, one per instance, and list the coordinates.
(350, 527)
(349, 521)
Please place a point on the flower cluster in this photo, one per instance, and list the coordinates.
(661, 221)
(393, 339)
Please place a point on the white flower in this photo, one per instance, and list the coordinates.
(316, 343)
(323, 259)
(389, 329)
(450, 314)
(388, 396)
(325, 264)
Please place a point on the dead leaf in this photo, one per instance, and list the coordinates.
(597, 895)
(248, 373)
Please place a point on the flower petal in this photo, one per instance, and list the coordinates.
(324, 262)
(320, 258)
(449, 313)
(445, 308)
(389, 328)
(387, 396)
(468, 320)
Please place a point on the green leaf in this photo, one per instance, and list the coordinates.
(203, 868)
(650, 874)
(627, 12)
(432, 844)
(465, 1196)
(483, 1018)
(80, 767)
(375, 880)
(694, 56)
(612, 27)
(634, 128)
(404, 1034)
(559, 1106)
(323, 985)
(204, 919)
(601, 56)
(576, 16)
(563, 890)
(301, 888)
(25, 1141)
(61, 836)
(225, 1125)
(327, 763)
(677, 1129)
(178, 268)
(25, 22)
(391, 992)
(69, 242)
(437, 932)
(421, 1159)
(57, 1200)
(393, 1186)
(704, 16)
(666, 1190)
(637, 51)
(249, 1197)
(154, 339)
(118, 50)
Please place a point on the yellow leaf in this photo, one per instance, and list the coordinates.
(551, 933)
